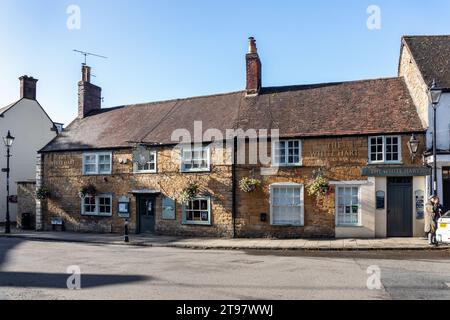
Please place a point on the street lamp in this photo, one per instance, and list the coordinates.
(8, 140)
(413, 146)
(434, 94)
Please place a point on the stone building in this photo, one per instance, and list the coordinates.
(422, 60)
(351, 139)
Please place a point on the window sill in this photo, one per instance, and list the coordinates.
(144, 172)
(287, 165)
(286, 225)
(385, 163)
(96, 215)
(349, 226)
(187, 223)
(97, 174)
(196, 171)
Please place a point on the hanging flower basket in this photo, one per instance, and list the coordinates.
(42, 193)
(320, 186)
(189, 193)
(249, 184)
(87, 191)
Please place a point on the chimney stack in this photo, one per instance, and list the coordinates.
(89, 95)
(28, 87)
(253, 68)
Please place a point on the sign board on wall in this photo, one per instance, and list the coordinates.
(396, 171)
(168, 208)
(124, 207)
(419, 197)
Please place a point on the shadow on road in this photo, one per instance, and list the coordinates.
(59, 281)
(6, 245)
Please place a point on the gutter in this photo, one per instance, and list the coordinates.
(234, 187)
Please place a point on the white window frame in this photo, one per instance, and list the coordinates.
(155, 157)
(384, 150)
(345, 185)
(97, 164)
(302, 203)
(190, 222)
(97, 206)
(286, 163)
(196, 149)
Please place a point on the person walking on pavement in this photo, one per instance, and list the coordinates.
(432, 215)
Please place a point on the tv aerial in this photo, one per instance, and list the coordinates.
(86, 54)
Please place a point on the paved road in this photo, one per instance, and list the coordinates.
(37, 270)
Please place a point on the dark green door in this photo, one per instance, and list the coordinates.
(146, 212)
(399, 207)
(446, 185)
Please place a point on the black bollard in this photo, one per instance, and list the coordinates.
(127, 239)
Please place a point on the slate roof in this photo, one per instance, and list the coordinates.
(343, 108)
(432, 56)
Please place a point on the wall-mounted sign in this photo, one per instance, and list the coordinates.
(124, 207)
(419, 197)
(168, 208)
(395, 171)
(380, 196)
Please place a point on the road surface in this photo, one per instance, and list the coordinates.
(38, 270)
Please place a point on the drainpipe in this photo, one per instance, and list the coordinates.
(234, 186)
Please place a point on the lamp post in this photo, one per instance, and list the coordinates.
(9, 139)
(434, 94)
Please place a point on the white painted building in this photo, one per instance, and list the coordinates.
(424, 59)
(33, 129)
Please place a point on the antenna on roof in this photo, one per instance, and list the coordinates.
(86, 54)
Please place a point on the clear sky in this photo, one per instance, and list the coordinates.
(161, 49)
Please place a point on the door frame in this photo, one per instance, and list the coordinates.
(138, 210)
(388, 202)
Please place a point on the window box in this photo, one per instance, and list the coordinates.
(97, 163)
(287, 153)
(100, 205)
(197, 211)
(287, 204)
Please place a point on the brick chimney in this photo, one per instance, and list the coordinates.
(253, 68)
(28, 87)
(89, 95)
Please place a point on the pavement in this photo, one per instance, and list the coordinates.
(232, 244)
(46, 270)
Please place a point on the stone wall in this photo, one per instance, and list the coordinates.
(339, 159)
(409, 70)
(26, 201)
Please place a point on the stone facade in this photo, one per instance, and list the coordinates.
(417, 87)
(26, 201)
(338, 159)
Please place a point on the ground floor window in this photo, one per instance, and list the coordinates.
(286, 203)
(197, 211)
(348, 206)
(97, 206)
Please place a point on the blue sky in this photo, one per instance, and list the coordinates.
(172, 48)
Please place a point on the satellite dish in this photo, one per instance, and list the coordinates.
(141, 155)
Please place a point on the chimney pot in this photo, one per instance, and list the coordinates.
(89, 95)
(253, 65)
(28, 87)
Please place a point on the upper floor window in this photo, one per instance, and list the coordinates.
(149, 167)
(195, 159)
(97, 163)
(287, 153)
(385, 149)
(286, 204)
